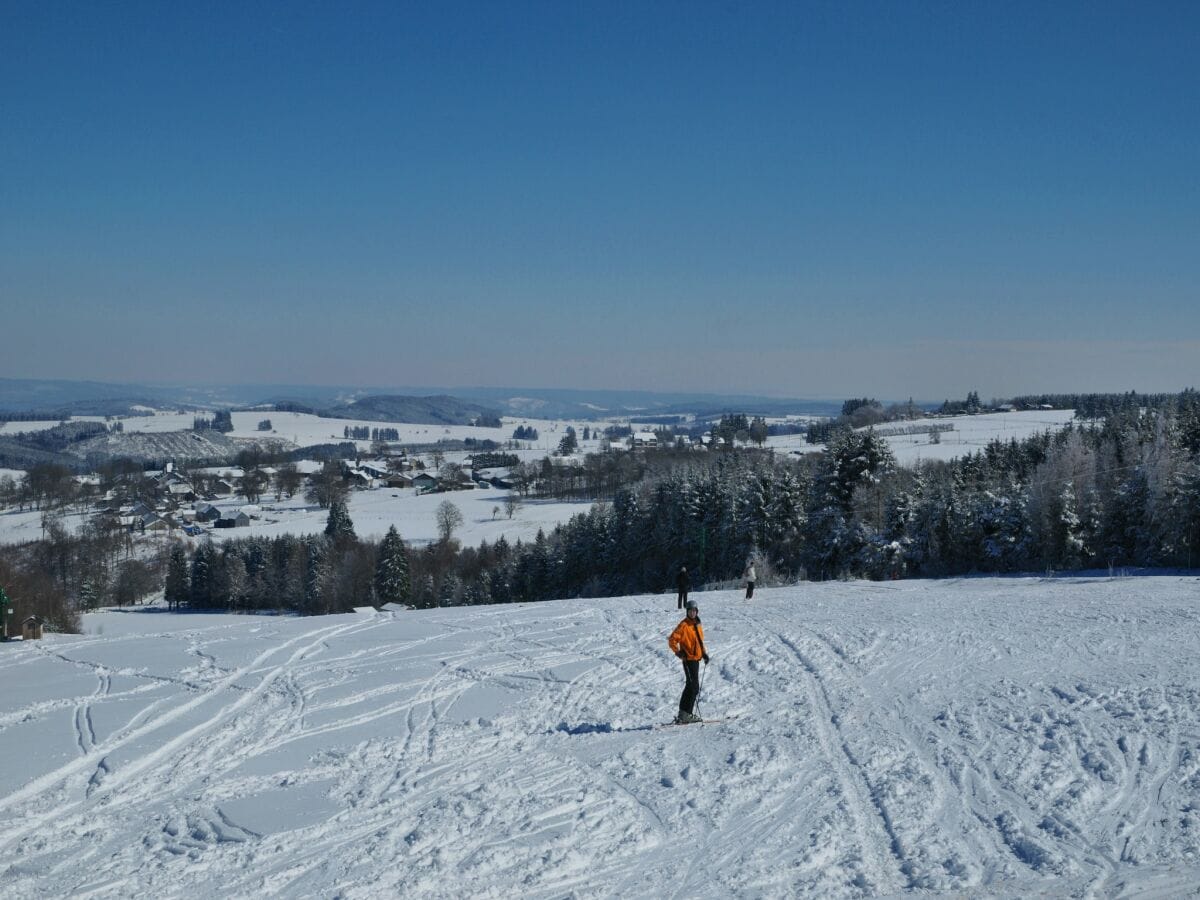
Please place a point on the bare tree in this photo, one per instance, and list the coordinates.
(251, 485)
(449, 517)
(327, 485)
(287, 480)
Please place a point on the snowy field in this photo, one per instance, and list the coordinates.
(306, 430)
(970, 435)
(373, 512)
(979, 737)
(413, 514)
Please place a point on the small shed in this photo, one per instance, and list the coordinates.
(31, 628)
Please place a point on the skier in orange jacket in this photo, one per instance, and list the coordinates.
(687, 642)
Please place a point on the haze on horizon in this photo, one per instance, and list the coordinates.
(809, 200)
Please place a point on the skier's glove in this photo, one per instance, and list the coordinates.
(706, 659)
(680, 654)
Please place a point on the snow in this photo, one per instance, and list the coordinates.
(970, 435)
(414, 516)
(17, 527)
(11, 428)
(999, 737)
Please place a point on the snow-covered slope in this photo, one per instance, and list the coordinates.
(970, 434)
(992, 737)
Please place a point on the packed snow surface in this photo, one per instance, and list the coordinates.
(989, 737)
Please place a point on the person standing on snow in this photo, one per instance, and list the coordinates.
(750, 577)
(687, 642)
(683, 583)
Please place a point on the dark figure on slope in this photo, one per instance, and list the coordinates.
(687, 642)
(751, 576)
(683, 583)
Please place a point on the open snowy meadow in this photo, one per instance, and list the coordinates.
(968, 434)
(1006, 737)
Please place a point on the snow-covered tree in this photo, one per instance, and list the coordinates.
(338, 525)
(391, 570)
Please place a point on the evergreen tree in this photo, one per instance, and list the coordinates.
(1183, 528)
(88, 594)
(177, 587)
(232, 581)
(758, 430)
(317, 577)
(338, 525)
(392, 583)
(201, 593)
(1065, 546)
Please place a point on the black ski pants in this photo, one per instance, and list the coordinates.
(682, 597)
(691, 689)
(749, 589)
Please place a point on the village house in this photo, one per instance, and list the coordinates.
(181, 492)
(358, 478)
(152, 522)
(206, 512)
(424, 482)
(375, 470)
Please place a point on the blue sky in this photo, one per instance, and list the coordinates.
(893, 199)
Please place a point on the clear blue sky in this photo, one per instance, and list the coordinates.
(836, 199)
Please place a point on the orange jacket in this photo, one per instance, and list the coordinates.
(689, 638)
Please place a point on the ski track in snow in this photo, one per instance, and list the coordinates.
(994, 737)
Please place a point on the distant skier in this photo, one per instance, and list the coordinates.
(687, 642)
(683, 583)
(750, 577)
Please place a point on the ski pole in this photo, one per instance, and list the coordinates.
(700, 688)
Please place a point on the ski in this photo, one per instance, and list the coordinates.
(701, 722)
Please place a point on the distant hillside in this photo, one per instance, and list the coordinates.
(565, 403)
(31, 398)
(52, 399)
(60, 399)
(440, 410)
